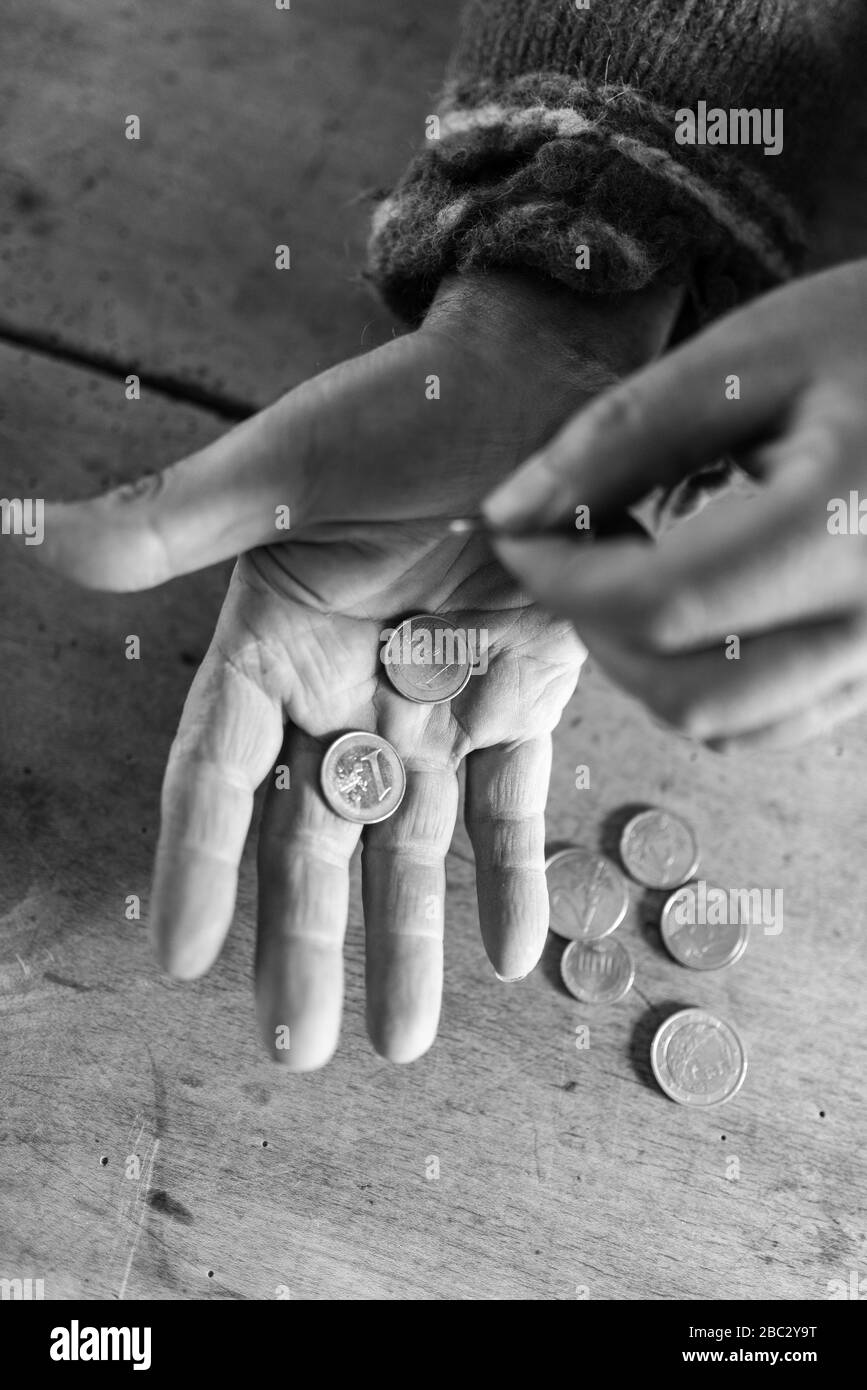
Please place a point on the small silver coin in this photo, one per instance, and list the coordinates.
(597, 972)
(698, 1059)
(700, 945)
(659, 849)
(428, 659)
(587, 895)
(363, 778)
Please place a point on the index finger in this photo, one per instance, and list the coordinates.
(686, 409)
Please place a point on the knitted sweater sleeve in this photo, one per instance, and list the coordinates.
(562, 144)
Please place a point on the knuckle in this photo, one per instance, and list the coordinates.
(147, 561)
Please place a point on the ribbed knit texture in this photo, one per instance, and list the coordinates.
(557, 130)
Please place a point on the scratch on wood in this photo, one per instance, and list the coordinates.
(618, 1111)
(134, 1205)
(67, 983)
(557, 1106)
(540, 1176)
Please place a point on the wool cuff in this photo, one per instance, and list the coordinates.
(557, 130)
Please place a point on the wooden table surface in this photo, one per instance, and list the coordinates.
(147, 1149)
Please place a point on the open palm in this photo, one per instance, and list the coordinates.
(370, 463)
(279, 658)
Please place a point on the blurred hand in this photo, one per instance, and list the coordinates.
(783, 571)
(371, 459)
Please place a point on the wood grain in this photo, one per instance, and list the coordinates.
(564, 1173)
(559, 1168)
(259, 128)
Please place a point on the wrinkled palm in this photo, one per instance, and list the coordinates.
(370, 467)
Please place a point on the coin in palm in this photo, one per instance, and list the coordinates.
(363, 778)
(428, 659)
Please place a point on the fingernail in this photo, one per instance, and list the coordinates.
(510, 979)
(520, 498)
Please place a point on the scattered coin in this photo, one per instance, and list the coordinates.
(428, 659)
(697, 1058)
(588, 896)
(659, 849)
(696, 944)
(597, 972)
(363, 778)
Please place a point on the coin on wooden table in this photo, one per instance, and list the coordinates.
(587, 895)
(697, 1058)
(659, 849)
(597, 972)
(363, 778)
(698, 944)
(428, 659)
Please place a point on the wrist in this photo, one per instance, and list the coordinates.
(520, 313)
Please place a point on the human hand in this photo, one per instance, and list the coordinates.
(370, 467)
(782, 571)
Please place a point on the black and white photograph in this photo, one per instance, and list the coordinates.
(433, 668)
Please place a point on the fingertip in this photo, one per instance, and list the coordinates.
(184, 943)
(87, 544)
(401, 1041)
(404, 996)
(524, 497)
(297, 1049)
(182, 960)
(513, 917)
(299, 1032)
(516, 956)
(299, 1000)
(192, 907)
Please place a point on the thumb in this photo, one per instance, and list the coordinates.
(238, 492)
